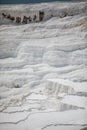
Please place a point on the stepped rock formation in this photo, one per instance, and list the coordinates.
(43, 67)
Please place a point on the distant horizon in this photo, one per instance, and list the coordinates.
(29, 1)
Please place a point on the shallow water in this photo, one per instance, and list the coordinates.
(43, 68)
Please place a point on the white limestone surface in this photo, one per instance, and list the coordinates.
(43, 67)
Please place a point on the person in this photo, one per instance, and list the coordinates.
(34, 18)
(4, 15)
(24, 20)
(8, 16)
(12, 18)
(30, 19)
(18, 19)
(41, 15)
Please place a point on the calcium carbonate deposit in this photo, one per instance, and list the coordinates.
(43, 67)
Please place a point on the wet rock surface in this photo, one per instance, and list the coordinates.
(43, 68)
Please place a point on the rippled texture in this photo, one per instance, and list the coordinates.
(43, 68)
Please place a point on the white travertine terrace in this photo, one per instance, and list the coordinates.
(43, 68)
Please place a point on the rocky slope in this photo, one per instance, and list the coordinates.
(43, 68)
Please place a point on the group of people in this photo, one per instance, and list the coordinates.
(25, 19)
